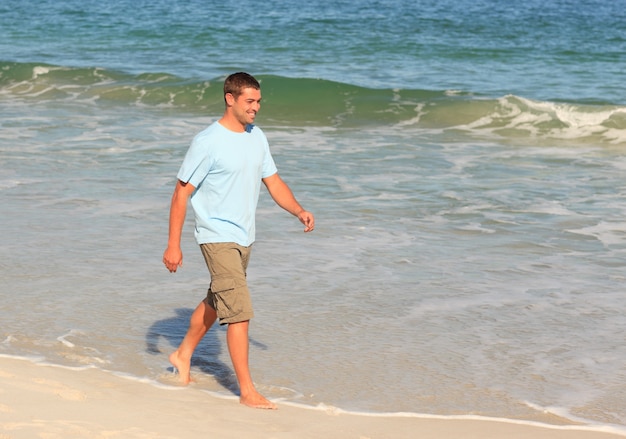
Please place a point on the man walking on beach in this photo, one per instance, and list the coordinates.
(222, 174)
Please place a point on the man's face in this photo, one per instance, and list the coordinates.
(246, 105)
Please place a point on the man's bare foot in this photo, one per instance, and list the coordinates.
(183, 367)
(257, 401)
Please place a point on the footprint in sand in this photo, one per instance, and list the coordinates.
(60, 389)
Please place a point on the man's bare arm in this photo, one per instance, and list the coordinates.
(173, 255)
(282, 195)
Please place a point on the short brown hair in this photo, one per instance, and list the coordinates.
(237, 82)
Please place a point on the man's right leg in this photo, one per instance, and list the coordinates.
(200, 322)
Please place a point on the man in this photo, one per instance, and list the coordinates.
(221, 174)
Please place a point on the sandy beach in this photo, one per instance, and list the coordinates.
(41, 401)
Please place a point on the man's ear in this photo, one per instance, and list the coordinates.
(230, 99)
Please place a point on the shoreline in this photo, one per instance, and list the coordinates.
(38, 400)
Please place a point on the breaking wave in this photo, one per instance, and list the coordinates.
(306, 101)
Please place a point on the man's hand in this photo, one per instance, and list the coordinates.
(308, 220)
(173, 258)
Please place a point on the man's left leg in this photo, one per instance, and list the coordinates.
(238, 346)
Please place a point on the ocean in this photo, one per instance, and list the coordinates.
(465, 161)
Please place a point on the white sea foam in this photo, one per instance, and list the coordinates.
(66, 342)
(542, 119)
(609, 233)
(40, 70)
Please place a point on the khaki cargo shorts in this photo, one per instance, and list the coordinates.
(228, 294)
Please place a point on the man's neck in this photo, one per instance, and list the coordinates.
(232, 124)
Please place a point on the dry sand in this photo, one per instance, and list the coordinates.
(48, 402)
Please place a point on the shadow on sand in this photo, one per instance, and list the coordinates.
(206, 358)
(207, 354)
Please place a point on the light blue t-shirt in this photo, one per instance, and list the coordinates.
(226, 169)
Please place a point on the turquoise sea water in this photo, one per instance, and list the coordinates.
(465, 161)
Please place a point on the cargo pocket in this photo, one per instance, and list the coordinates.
(225, 300)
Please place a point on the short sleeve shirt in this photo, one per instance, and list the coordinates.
(226, 169)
